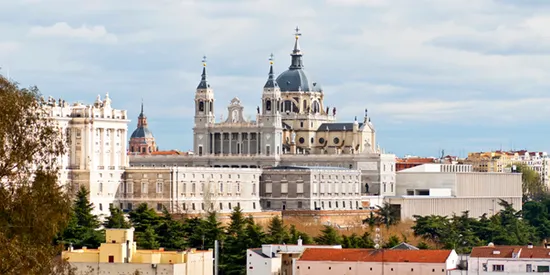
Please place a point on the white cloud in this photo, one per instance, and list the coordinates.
(499, 111)
(64, 30)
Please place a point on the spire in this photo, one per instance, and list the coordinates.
(296, 61)
(141, 114)
(203, 84)
(271, 83)
(142, 119)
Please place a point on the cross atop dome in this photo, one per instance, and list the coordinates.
(204, 83)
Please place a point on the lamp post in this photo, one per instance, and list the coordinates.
(378, 244)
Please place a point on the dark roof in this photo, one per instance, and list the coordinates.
(404, 246)
(337, 126)
(289, 167)
(286, 126)
(142, 132)
(259, 252)
(293, 80)
(270, 83)
(203, 84)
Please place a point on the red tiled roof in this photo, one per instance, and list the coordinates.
(372, 255)
(509, 251)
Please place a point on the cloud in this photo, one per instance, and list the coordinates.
(413, 64)
(64, 30)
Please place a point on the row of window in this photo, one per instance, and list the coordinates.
(185, 206)
(391, 269)
(128, 188)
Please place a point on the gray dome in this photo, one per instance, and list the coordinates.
(142, 132)
(293, 80)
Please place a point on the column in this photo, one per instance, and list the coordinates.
(230, 140)
(82, 152)
(213, 142)
(123, 151)
(248, 143)
(240, 142)
(221, 142)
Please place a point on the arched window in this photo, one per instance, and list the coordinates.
(305, 106)
(287, 106)
(268, 105)
(201, 106)
(316, 107)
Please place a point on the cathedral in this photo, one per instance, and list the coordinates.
(291, 120)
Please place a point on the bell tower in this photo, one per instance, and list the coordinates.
(204, 114)
(270, 119)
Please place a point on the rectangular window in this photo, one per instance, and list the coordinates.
(200, 150)
(268, 204)
(300, 188)
(253, 205)
(529, 268)
(100, 207)
(268, 150)
(221, 206)
(498, 267)
(230, 206)
(540, 268)
(159, 206)
(130, 206)
(101, 187)
(159, 187)
(129, 187)
(299, 204)
(144, 188)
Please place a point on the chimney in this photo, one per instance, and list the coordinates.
(300, 240)
(530, 245)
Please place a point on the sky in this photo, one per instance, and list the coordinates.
(453, 75)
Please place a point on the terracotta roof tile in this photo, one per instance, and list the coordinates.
(372, 255)
(509, 251)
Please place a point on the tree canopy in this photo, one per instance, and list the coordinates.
(34, 209)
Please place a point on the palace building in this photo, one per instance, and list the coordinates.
(293, 126)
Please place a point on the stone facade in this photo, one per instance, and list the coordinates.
(191, 189)
(96, 155)
(313, 188)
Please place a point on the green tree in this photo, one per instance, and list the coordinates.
(148, 239)
(393, 240)
(356, 241)
(277, 232)
(532, 185)
(235, 244)
(83, 224)
(34, 209)
(116, 219)
(255, 235)
(172, 233)
(212, 230)
(388, 214)
(433, 227)
(329, 236)
(143, 217)
(536, 213)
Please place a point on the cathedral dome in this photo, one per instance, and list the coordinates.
(142, 132)
(294, 80)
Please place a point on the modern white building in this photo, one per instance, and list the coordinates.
(96, 155)
(191, 189)
(447, 189)
(493, 259)
(273, 259)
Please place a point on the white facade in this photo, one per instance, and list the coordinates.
(267, 260)
(96, 155)
(429, 189)
(191, 189)
(509, 260)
